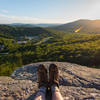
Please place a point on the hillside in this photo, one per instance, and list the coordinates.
(83, 49)
(76, 82)
(20, 46)
(84, 26)
(23, 31)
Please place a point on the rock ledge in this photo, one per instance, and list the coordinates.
(76, 82)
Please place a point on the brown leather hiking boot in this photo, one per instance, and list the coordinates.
(42, 76)
(53, 75)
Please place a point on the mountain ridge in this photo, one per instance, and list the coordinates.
(88, 26)
(33, 25)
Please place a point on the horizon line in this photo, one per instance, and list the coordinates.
(49, 23)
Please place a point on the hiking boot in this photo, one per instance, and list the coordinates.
(42, 76)
(53, 75)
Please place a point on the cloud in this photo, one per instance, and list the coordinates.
(26, 19)
(4, 11)
(17, 18)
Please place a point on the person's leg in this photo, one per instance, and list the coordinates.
(54, 82)
(43, 82)
(56, 95)
(41, 94)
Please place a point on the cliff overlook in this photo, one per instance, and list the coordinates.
(76, 82)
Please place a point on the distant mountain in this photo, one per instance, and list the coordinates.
(88, 26)
(47, 25)
(22, 25)
(33, 25)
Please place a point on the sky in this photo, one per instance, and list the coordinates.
(48, 11)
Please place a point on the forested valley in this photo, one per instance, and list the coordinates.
(24, 45)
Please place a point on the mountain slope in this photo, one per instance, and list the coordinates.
(88, 26)
(14, 31)
(23, 31)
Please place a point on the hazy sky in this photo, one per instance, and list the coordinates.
(48, 11)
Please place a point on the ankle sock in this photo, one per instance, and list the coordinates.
(54, 88)
(42, 89)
